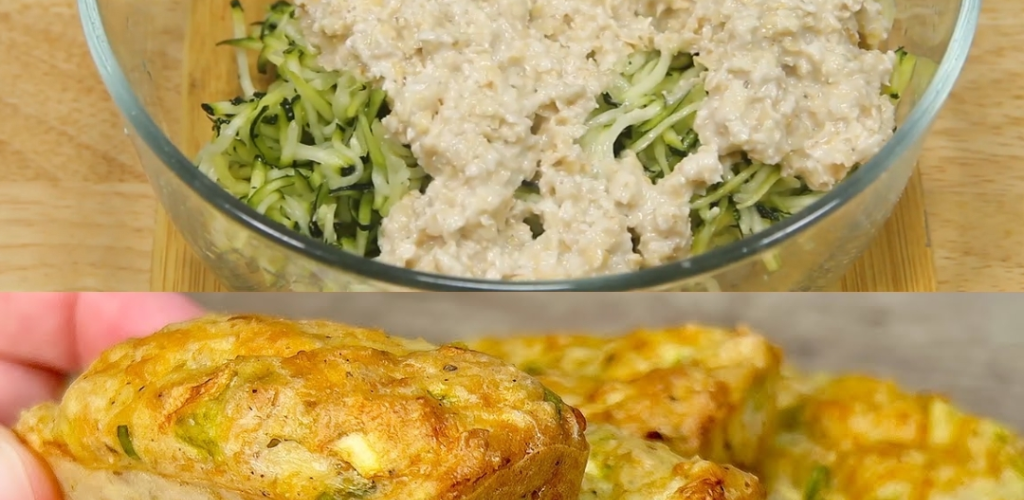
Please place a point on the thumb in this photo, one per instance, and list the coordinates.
(23, 476)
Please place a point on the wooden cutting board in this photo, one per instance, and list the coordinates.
(899, 259)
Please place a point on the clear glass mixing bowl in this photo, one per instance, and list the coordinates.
(158, 61)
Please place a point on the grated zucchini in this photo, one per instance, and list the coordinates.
(310, 152)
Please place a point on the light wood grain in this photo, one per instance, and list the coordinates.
(900, 258)
(76, 212)
(176, 268)
(64, 159)
(974, 173)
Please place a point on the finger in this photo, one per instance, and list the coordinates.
(104, 319)
(45, 336)
(38, 329)
(24, 387)
(23, 476)
(63, 332)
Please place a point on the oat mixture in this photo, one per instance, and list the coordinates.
(489, 94)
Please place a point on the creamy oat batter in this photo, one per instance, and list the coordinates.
(491, 93)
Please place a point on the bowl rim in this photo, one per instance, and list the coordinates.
(916, 124)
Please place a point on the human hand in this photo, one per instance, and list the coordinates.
(45, 337)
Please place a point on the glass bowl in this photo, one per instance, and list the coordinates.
(158, 62)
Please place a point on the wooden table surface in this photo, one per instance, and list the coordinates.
(76, 212)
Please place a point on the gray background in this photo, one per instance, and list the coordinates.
(965, 345)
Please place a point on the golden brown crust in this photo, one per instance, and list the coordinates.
(851, 437)
(703, 391)
(311, 410)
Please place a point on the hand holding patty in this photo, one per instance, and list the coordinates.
(46, 337)
(247, 407)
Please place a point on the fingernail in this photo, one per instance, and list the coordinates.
(14, 475)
